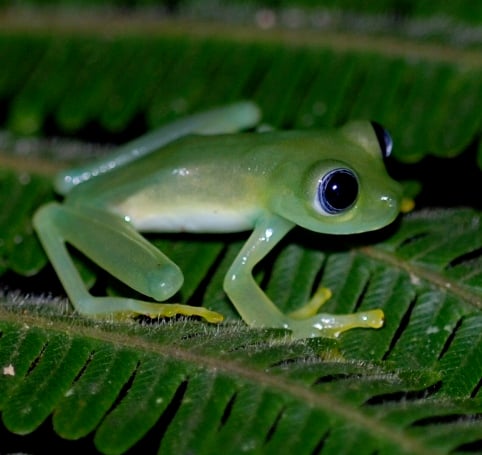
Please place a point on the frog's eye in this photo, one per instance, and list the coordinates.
(384, 139)
(337, 191)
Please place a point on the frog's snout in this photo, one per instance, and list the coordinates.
(392, 201)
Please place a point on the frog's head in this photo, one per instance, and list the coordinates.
(340, 185)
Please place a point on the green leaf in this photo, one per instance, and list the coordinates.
(184, 386)
(429, 100)
(204, 386)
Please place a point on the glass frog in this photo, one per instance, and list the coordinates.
(199, 174)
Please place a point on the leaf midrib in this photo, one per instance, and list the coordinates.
(324, 401)
(85, 24)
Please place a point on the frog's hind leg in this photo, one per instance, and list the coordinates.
(118, 248)
(221, 120)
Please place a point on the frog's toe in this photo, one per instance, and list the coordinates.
(320, 297)
(174, 309)
(331, 326)
(169, 310)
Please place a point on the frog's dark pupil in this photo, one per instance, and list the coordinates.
(338, 191)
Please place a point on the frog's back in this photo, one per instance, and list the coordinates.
(215, 155)
(198, 183)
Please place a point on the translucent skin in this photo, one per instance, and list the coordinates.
(264, 182)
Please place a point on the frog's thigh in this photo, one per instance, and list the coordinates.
(111, 243)
(222, 120)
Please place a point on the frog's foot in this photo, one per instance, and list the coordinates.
(331, 326)
(120, 308)
(314, 304)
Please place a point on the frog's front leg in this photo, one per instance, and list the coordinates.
(118, 248)
(256, 308)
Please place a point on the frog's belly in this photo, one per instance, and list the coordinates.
(191, 220)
